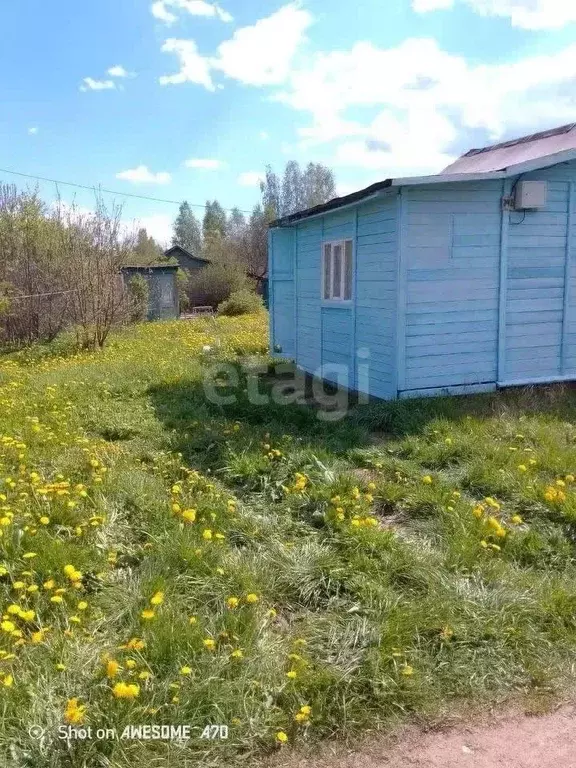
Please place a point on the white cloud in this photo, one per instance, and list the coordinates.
(119, 71)
(264, 135)
(33, 131)
(142, 175)
(194, 68)
(161, 10)
(205, 163)
(261, 54)
(89, 84)
(427, 105)
(158, 225)
(527, 14)
(250, 178)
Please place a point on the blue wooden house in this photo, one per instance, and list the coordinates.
(460, 282)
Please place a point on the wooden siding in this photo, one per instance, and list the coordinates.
(540, 305)
(451, 293)
(333, 339)
(451, 250)
(376, 297)
(282, 328)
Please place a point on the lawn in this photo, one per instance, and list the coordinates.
(166, 558)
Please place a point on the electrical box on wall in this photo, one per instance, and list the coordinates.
(531, 195)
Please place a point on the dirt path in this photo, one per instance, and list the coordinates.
(520, 741)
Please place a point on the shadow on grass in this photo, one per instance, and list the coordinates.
(332, 422)
(205, 426)
(411, 417)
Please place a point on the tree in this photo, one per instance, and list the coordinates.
(318, 185)
(187, 230)
(297, 190)
(236, 224)
(147, 250)
(271, 194)
(214, 223)
(214, 230)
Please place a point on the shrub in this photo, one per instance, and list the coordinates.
(243, 302)
(139, 292)
(217, 282)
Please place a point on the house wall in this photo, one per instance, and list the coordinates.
(540, 333)
(450, 285)
(376, 296)
(353, 344)
(451, 293)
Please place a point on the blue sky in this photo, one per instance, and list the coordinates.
(187, 99)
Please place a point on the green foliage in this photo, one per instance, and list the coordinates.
(139, 292)
(242, 302)
(146, 251)
(400, 561)
(187, 230)
(218, 281)
(182, 282)
(297, 189)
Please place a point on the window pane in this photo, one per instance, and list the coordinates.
(348, 271)
(337, 272)
(327, 271)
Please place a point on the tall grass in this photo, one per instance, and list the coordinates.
(242, 563)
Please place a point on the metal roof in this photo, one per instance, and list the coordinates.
(501, 156)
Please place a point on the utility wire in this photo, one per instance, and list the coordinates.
(110, 191)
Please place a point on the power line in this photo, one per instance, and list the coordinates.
(110, 191)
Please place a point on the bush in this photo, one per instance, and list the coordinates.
(243, 302)
(217, 282)
(139, 292)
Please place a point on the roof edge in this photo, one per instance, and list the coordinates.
(187, 252)
(337, 202)
(527, 166)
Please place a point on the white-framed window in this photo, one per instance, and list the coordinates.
(337, 270)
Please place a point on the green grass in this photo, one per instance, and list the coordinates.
(376, 573)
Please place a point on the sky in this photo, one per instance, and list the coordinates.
(189, 99)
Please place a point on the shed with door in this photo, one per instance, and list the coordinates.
(460, 282)
(162, 280)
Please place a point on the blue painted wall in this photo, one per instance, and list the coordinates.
(281, 244)
(451, 293)
(451, 251)
(376, 296)
(328, 336)
(537, 285)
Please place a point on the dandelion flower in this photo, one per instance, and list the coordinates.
(112, 668)
(157, 598)
(185, 670)
(292, 674)
(74, 712)
(209, 644)
(281, 737)
(232, 602)
(148, 614)
(252, 598)
(126, 690)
